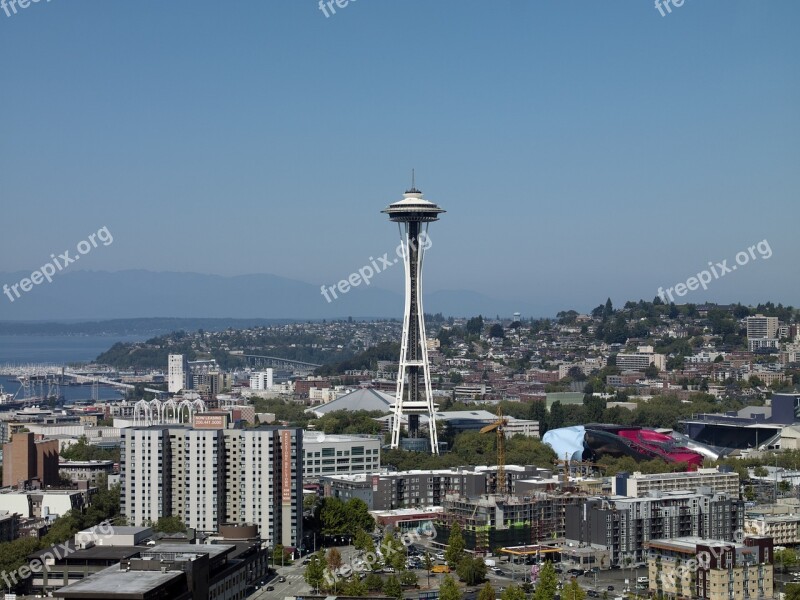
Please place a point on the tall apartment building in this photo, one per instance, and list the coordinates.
(339, 454)
(640, 360)
(262, 380)
(178, 377)
(26, 459)
(638, 485)
(212, 476)
(624, 526)
(759, 327)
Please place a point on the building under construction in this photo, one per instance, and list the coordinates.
(495, 521)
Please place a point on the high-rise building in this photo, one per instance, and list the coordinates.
(177, 373)
(26, 459)
(262, 380)
(760, 327)
(211, 476)
(413, 214)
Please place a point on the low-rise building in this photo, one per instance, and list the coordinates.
(710, 569)
(85, 470)
(638, 484)
(339, 454)
(783, 529)
(625, 525)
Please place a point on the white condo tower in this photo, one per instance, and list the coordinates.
(413, 214)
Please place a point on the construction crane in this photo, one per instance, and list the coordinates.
(499, 426)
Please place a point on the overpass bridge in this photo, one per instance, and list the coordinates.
(276, 362)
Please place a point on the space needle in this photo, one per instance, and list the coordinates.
(413, 214)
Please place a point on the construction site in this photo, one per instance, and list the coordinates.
(517, 512)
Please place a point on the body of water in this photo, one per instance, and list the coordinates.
(11, 385)
(57, 349)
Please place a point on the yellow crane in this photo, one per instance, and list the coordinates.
(499, 426)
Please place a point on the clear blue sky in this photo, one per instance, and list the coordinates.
(582, 149)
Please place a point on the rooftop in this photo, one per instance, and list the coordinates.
(122, 584)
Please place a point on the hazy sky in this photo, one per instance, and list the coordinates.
(582, 149)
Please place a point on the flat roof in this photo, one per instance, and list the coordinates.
(122, 584)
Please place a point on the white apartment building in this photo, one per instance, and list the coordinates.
(638, 361)
(339, 454)
(760, 327)
(207, 477)
(177, 373)
(754, 344)
(783, 529)
(261, 381)
(639, 485)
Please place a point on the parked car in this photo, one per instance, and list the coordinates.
(610, 588)
(500, 573)
(269, 588)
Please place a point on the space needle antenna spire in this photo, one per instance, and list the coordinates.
(414, 395)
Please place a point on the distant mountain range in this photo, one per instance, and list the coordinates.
(99, 295)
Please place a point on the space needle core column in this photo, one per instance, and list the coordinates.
(413, 214)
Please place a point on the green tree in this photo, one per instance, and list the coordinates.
(785, 559)
(354, 587)
(172, 524)
(332, 516)
(314, 574)
(14, 554)
(310, 501)
(513, 592)
(496, 331)
(474, 325)
(471, 569)
(792, 591)
(448, 590)
(455, 546)
(281, 555)
(373, 582)
(547, 583)
(428, 566)
(394, 552)
(487, 592)
(573, 591)
(392, 587)
(356, 516)
(408, 578)
(363, 541)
